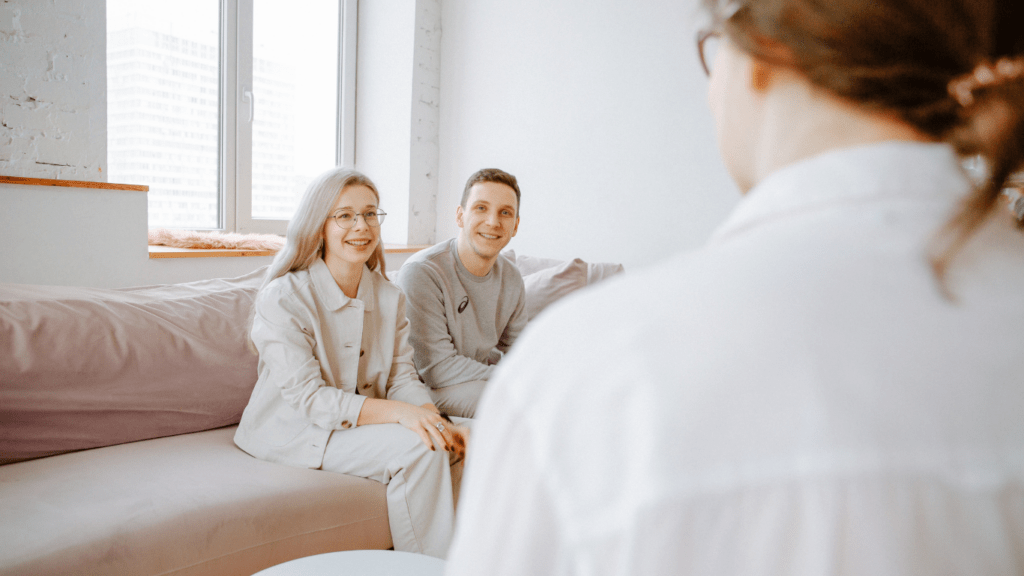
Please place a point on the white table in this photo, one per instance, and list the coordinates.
(359, 563)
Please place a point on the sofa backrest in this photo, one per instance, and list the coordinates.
(89, 367)
(548, 280)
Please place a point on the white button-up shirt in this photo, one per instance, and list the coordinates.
(797, 397)
(321, 355)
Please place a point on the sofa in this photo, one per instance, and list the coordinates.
(117, 412)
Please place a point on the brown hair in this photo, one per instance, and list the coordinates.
(902, 57)
(491, 175)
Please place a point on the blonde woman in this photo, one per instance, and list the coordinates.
(337, 389)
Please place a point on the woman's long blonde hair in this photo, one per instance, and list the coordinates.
(304, 242)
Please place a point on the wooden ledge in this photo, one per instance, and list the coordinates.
(72, 184)
(169, 252)
(404, 248)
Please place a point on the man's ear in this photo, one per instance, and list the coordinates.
(516, 227)
(766, 71)
(458, 215)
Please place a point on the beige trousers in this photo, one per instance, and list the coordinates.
(420, 490)
(460, 399)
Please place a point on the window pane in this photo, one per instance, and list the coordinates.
(295, 80)
(162, 106)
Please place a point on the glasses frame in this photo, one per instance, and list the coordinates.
(702, 37)
(355, 218)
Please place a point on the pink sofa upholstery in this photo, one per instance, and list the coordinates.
(116, 420)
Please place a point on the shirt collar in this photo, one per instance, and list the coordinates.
(850, 175)
(332, 296)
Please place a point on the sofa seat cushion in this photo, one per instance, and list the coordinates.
(183, 505)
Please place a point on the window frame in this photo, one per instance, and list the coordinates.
(238, 106)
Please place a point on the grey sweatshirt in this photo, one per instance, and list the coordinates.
(460, 325)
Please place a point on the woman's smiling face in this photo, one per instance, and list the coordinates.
(355, 245)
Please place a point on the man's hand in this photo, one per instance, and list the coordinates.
(460, 442)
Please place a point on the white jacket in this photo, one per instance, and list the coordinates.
(321, 355)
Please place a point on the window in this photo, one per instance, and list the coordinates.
(227, 111)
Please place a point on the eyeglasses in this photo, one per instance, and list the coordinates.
(707, 48)
(709, 39)
(347, 218)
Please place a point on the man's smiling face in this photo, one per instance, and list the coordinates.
(490, 218)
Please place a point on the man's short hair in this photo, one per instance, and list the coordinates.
(491, 175)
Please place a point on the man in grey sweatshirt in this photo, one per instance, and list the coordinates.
(465, 301)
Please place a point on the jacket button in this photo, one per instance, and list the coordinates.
(361, 352)
(346, 424)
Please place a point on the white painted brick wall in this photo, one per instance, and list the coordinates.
(53, 89)
(423, 143)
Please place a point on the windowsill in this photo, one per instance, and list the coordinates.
(72, 184)
(169, 252)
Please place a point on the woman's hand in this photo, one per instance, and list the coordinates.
(431, 427)
(423, 420)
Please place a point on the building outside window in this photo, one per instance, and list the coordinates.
(225, 110)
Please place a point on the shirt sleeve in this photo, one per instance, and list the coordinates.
(403, 382)
(438, 361)
(283, 334)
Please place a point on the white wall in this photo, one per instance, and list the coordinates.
(53, 86)
(85, 237)
(599, 109)
(596, 105)
(383, 91)
(397, 77)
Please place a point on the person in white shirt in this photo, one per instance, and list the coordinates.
(337, 389)
(833, 383)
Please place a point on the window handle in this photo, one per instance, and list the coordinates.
(248, 97)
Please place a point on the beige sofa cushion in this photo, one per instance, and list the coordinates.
(185, 505)
(547, 279)
(88, 367)
(547, 285)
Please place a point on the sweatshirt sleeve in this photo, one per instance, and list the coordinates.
(437, 360)
(517, 322)
(403, 382)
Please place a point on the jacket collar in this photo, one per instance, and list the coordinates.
(332, 296)
(850, 176)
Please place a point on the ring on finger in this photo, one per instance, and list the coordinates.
(439, 426)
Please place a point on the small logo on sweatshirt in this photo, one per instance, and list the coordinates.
(463, 304)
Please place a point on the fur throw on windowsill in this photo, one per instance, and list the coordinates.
(214, 240)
